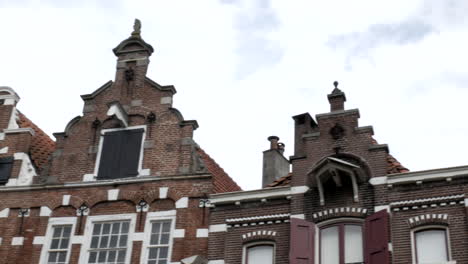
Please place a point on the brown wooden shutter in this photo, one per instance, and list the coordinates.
(120, 154)
(130, 155)
(6, 164)
(302, 242)
(109, 164)
(376, 235)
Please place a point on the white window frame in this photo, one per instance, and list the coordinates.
(429, 227)
(57, 221)
(344, 220)
(141, 171)
(258, 243)
(152, 217)
(88, 233)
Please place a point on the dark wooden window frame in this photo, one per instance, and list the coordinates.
(430, 228)
(341, 238)
(256, 244)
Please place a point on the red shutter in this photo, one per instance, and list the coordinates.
(302, 242)
(376, 230)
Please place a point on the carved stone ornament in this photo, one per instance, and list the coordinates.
(337, 131)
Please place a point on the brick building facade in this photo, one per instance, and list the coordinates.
(126, 183)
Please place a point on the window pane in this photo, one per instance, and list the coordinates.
(431, 246)
(353, 244)
(329, 246)
(260, 254)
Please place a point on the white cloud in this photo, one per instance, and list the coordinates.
(242, 69)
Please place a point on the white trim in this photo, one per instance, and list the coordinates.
(138, 236)
(447, 236)
(202, 232)
(4, 213)
(257, 243)
(19, 130)
(4, 150)
(17, 241)
(426, 175)
(47, 239)
(378, 180)
(114, 182)
(141, 171)
(299, 189)
(116, 109)
(45, 211)
(299, 216)
(27, 171)
(12, 123)
(382, 207)
(163, 192)
(1, 240)
(217, 228)
(2, 136)
(84, 253)
(38, 240)
(258, 195)
(77, 240)
(257, 218)
(426, 200)
(217, 261)
(157, 216)
(178, 233)
(466, 202)
(182, 202)
(112, 194)
(12, 96)
(66, 199)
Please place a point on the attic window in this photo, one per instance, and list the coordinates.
(120, 154)
(6, 164)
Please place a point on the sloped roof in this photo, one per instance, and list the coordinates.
(221, 180)
(42, 145)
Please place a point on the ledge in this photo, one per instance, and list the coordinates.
(104, 182)
(337, 113)
(20, 130)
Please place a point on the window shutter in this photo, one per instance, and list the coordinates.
(6, 164)
(302, 242)
(109, 165)
(131, 152)
(376, 230)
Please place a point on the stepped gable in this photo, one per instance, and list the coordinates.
(42, 145)
(222, 182)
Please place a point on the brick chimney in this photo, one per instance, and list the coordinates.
(275, 165)
(336, 99)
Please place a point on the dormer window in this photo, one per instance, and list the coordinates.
(120, 154)
(331, 173)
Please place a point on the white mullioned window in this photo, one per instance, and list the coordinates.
(57, 245)
(108, 239)
(157, 245)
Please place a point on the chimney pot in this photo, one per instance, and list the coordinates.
(273, 142)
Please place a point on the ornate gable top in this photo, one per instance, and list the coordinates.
(134, 43)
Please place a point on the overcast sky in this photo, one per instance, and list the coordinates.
(243, 68)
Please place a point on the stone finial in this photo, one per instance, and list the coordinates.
(136, 28)
(336, 98)
(336, 90)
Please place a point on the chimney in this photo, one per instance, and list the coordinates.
(275, 165)
(336, 99)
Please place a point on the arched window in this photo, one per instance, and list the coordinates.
(341, 243)
(431, 245)
(259, 252)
